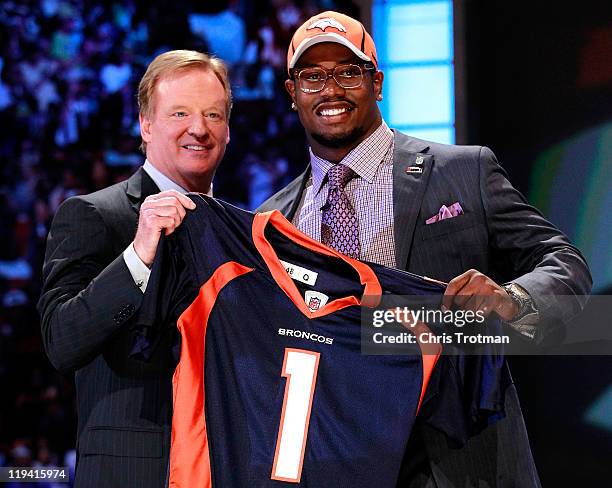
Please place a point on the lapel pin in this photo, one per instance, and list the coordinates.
(419, 160)
(414, 169)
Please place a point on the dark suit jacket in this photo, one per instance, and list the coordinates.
(501, 236)
(88, 298)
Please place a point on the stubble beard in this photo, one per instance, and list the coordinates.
(339, 140)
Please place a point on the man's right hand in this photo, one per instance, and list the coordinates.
(163, 211)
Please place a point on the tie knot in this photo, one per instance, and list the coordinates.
(339, 175)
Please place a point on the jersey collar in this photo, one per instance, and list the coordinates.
(371, 294)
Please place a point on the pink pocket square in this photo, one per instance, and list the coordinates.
(445, 213)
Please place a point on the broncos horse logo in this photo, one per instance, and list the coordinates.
(325, 23)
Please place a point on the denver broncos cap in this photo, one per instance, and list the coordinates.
(332, 27)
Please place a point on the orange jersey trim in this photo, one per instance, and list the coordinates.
(371, 294)
(189, 451)
(430, 353)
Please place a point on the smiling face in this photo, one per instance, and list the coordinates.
(336, 119)
(187, 130)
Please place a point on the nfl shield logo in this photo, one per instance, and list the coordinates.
(314, 303)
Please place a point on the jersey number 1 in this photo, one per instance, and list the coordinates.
(300, 368)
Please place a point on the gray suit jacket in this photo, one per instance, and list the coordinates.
(87, 301)
(502, 236)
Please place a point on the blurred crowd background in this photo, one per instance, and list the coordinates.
(68, 76)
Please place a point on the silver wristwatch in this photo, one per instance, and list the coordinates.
(527, 317)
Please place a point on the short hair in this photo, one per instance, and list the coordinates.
(172, 61)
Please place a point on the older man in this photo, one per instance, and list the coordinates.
(447, 212)
(97, 266)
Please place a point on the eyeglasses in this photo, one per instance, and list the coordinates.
(313, 80)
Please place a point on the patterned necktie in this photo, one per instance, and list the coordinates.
(339, 226)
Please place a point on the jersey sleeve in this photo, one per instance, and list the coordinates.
(171, 288)
(209, 236)
(467, 391)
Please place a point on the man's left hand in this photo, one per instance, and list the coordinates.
(475, 291)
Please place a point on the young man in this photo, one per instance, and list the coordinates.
(447, 212)
(96, 269)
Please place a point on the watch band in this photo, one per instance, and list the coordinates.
(526, 320)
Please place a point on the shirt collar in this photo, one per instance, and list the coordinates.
(163, 182)
(364, 159)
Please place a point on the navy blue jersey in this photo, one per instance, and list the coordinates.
(271, 388)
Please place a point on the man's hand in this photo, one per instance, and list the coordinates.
(162, 211)
(475, 291)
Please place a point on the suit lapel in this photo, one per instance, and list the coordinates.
(288, 200)
(299, 194)
(411, 171)
(140, 186)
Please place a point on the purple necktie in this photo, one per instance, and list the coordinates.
(339, 226)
